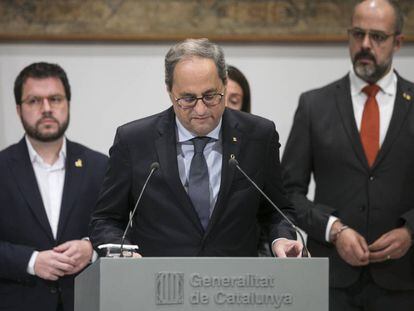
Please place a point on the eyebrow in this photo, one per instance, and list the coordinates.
(186, 94)
(370, 30)
(37, 95)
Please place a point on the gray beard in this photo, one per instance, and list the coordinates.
(370, 73)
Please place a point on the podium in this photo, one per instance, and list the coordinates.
(203, 283)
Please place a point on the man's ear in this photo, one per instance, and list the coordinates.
(398, 42)
(19, 110)
(170, 95)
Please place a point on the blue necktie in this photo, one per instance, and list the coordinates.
(198, 184)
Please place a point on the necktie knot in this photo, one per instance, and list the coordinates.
(371, 90)
(200, 143)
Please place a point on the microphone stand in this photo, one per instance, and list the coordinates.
(305, 251)
(154, 166)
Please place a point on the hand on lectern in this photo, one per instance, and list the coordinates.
(287, 248)
(136, 255)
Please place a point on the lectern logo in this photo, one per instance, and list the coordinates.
(169, 288)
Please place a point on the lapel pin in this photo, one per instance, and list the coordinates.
(78, 163)
(235, 139)
(407, 96)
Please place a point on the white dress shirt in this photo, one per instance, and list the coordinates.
(50, 180)
(385, 98)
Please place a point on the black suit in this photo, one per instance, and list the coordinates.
(166, 223)
(325, 141)
(24, 226)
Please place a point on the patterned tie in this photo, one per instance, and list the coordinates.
(198, 184)
(370, 124)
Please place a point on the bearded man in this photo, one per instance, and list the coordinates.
(48, 188)
(355, 136)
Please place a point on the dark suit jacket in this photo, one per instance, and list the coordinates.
(166, 223)
(324, 140)
(24, 226)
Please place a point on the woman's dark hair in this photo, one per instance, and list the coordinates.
(237, 76)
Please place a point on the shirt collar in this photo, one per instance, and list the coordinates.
(185, 135)
(387, 83)
(36, 158)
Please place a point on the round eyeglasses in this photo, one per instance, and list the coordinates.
(188, 102)
(375, 36)
(37, 101)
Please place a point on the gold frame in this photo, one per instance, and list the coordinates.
(171, 20)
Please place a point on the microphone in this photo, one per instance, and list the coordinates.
(235, 163)
(154, 166)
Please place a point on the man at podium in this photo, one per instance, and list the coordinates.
(196, 202)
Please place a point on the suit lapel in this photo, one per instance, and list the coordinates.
(166, 146)
(402, 105)
(344, 103)
(75, 167)
(232, 138)
(23, 172)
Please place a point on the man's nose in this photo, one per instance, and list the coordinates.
(200, 107)
(45, 104)
(366, 41)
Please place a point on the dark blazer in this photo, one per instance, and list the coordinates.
(325, 141)
(24, 226)
(166, 223)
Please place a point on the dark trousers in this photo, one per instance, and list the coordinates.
(60, 303)
(365, 295)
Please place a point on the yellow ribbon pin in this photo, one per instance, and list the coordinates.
(78, 163)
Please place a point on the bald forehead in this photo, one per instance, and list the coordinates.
(381, 6)
(372, 5)
(376, 12)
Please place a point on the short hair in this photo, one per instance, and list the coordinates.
(202, 48)
(40, 70)
(237, 76)
(399, 15)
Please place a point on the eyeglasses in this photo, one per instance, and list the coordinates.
(375, 36)
(188, 102)
(37, 101)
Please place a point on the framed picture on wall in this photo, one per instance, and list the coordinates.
(165, 20)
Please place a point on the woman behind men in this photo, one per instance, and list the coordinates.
(238, 90)
(238, 98)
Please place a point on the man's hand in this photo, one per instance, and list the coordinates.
(136, 255)
(351, 246)
(392, 245)
(287, 248)
(80, 251)
(50, 265)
